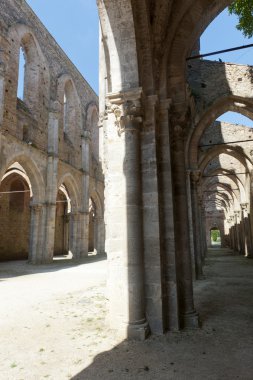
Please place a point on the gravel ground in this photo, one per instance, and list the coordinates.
(53, 326)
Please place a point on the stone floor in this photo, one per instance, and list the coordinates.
(53, 326)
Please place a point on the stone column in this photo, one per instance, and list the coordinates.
(246, 230)
(84, 212)
(123, 214)
(75, 234)
(167, 227)
(84, 234)
(234, 237)
(237, 230)
(196, 223)
(151, 217)
(230, 233)
(189, 317)
(52, 176)
(191, 233)
(36, 234)
(99, 235)
(203, 220)
(2, 91)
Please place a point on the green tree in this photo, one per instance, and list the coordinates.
(244, 10)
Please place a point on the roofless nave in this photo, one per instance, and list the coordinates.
(171, 174)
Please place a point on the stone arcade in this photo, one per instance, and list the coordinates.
(171, 173)
(49, 147)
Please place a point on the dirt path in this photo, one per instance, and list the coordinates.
(52, 319)
(53, 327)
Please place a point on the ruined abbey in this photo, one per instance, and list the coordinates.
(144, 174)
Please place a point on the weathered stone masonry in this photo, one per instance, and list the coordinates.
(155, 109)
(49, 143)
(154, 119)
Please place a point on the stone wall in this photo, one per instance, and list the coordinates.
(51, 134)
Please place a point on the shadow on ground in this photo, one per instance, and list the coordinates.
(10, 269)
(221, 349)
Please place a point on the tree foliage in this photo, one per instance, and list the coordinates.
(244, 10)
(215, 234)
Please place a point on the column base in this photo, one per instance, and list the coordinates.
(139, 331)
(190, 321)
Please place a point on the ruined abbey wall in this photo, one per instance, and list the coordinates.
(51, 135)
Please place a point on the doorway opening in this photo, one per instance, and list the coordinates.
(215, 236)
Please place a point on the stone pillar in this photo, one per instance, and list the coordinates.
(191, 233)
(203, 220)
(230, 233)
(246, 230)
(237, 230)
(99, 235)
(48, 251)
(84, 213)
(75, 234)
(2, 91)
(189, 317)
(234, 237)
(123, 214)
(36, 234)
(52, 183)
(84, 234)
(196, 223)
(167, 227)
(151, 217)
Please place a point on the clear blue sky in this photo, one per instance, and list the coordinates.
(222, 34)
(74, 25)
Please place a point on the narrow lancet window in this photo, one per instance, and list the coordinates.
(21, 74)
(65, 114)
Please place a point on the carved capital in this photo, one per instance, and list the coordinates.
(55, 108)
(244, 207)
(232, 218)
(237, 214)
(127, 110)
(195, 176)
(86, 135)
(36, 208)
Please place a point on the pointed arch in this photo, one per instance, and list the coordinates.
(36, 73)
(32, 171)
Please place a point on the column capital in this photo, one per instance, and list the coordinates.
(127, 109)
(165, 104)
(195, 175)
(36, 207)
(55, 108)
(237, 214)
(86, 135)
(244, 206)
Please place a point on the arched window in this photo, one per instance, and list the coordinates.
(21, 74)
(69, 110)
(65, 113)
